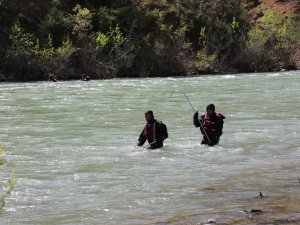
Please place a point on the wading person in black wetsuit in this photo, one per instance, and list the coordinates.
(85, 77)
(155, 132)
(52, 78)
(211, 125)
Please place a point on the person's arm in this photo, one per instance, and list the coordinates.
(196, 121)
(142, 138)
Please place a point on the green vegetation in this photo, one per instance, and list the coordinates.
(271, 45)
(7, 186)
(139, 38)
(2, 154)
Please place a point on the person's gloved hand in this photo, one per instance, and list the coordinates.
(196, 115)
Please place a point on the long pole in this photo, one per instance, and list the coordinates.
(187, 98)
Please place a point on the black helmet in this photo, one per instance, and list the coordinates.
(211, 106)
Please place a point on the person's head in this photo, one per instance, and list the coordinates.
(210, 109)
(149, 115)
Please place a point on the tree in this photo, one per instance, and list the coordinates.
(271, 45)
(51, 60)
(82, 23)
(20, 52)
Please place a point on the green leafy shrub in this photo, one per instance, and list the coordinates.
(58, 24)
(102, 39)
(140, 38)
(104, 19)
(82, 22)
(7, 186)
(20, 52)
(110, 53)
(52, 60)
(2, 154)
(270, 45)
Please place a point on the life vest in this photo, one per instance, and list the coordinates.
(210, 125)
(151, 133)
(220, 115)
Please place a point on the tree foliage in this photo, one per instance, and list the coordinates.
(272, 44)
(138, 38)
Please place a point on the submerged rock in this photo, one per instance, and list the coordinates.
(261, 195)
(252, 211)
(255, 211)
(211, 221)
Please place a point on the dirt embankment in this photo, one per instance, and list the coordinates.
(257, 8)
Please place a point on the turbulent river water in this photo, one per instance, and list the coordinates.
(73, 147)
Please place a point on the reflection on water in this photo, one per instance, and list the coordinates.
(73, 147)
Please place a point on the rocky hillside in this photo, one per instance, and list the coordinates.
(256, 10)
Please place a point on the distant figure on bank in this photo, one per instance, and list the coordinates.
(211, 125)
(52, 78)
(2, 77)
(85, 77)
(155, 132)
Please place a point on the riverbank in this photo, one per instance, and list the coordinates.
(197, 73)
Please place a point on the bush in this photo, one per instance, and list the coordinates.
(20, 53)
(58, 24)
(49, 60)
(2, 154)
(9, 185)
(114, 38)
(110, 53)
(104, 19)
(82, 20)
(270, 45)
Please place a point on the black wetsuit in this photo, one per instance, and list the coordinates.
(154, 133)
(213, 126)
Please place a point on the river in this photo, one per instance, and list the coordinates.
(72, 145)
